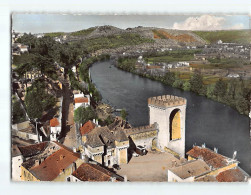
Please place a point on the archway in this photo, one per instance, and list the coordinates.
(175, 124)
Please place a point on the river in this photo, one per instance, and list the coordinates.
(207, 121)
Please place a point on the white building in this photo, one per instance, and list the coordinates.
(55, 129)
(188, 172)
(16, 162)
(26, 131)
(81, 100)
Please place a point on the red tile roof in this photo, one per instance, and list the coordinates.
(55, 164)
(32, 150)
(231, 175)
(87, 127)
(81, 100)
(210, 157)
(54, 122)
(91, 172)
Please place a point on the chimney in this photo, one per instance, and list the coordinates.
(215, 150)
(174, 163)
(125, 178)
(113, 179)
(203, 145)
(36, 163)
(234, 154)
(74, 149)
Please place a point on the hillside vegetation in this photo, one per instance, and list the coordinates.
(230, 36)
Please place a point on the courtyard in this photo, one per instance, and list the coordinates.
(150, 167)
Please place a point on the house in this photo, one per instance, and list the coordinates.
(87, 127)
(217, 162)
(188, 171)
(26, 131)
(105, 147)
(16, 162)
(81, 100)
(93, 173)
(48, 161)
(24, 48)
(55, 129)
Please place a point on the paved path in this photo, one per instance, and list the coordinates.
(71, 137)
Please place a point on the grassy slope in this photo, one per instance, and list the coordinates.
(236, 36)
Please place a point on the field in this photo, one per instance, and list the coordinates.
(227, 36)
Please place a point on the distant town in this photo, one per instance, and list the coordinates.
(62, 130)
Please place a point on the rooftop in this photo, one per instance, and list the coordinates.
(210, 157)
(34, 149)
(81, 100)
(92, 172)
(87, 127)
(101, 136)
(166, 101)
(54, 122)
(55, 164)
(231, 175)
(192, 168)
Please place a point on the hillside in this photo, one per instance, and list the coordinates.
(236, 36)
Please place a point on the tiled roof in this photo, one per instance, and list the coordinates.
(231, 175)
(211, 158)
(54, 122)
(92, 172)
(87, 127)
(32, 150)
(120, 135)
(55, 164)
(81, 100)
(206, 178)
(191, 169)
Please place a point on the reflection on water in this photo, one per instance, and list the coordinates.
(207, 121)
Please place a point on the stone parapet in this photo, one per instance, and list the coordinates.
(166, 101)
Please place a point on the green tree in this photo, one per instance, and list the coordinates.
(169, 78)
(37, 100)
(220, 89)
(18, 114)
(186, 86)
(82, 115)
(196, 83)
(123, 114)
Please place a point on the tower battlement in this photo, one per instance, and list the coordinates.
(166, 101)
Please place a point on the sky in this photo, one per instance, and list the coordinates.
(42, 23)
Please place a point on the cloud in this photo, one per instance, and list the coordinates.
(237, 26)
(204, 22)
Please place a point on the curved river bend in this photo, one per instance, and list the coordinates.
(207, 121)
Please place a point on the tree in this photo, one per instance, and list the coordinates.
(186, 86)
(196, 83)
(37, 100)
(123, 114)
(220, 89)
(82, 115)
(169, 78)
(18, 114)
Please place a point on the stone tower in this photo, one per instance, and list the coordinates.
(170, 114)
